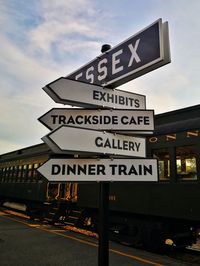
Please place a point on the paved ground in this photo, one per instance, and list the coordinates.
(27, 243)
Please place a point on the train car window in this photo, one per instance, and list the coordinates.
(163, 163)
(171, 137)
(30, 172)
(192, 133)
(53, 191)
(62, 191)
(15, 171)
(186, 163)
(9, 174)
(6, 174)
(68, 191)
(24, 172)
(12, 172)
(35, 173)
(3, 173)
(39, 176)
(74, 192)
(19, 174)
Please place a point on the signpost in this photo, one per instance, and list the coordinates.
(139, 54)
(98, 170)
(82, 131)
(81, 94)
(74, 140)
(118, 120)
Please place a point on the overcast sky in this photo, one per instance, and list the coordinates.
(42, 40)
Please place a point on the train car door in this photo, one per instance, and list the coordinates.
(68, 191)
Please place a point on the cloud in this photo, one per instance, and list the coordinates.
(22, 97)
(64, 21)
(38, 45)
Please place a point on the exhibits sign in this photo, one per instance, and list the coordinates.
(81, 94)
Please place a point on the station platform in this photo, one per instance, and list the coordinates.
(30, 243)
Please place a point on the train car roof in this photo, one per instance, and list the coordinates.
(178, 120)
(34, 150)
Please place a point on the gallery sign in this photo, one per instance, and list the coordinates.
(74, 140)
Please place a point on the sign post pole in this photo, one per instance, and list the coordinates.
(103, 256)
(103, 250)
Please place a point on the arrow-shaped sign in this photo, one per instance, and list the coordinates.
(67, 140)
(83, 94)
(118, 120)
(100, 170)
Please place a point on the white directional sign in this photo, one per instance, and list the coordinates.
(141, 53)
(67, 139)
(99, 170)
(83, 94)
(128, 121)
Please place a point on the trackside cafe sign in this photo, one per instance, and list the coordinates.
(100, 169)
(141, 53)
(118, 120)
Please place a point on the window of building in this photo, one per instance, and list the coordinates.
(163, 163)
(186, 164)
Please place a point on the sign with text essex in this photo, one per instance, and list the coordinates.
(82, 94)
(118, 120)
(100, 170)
(141, 53)
(67, 140)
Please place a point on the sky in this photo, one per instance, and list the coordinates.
(42, 40)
